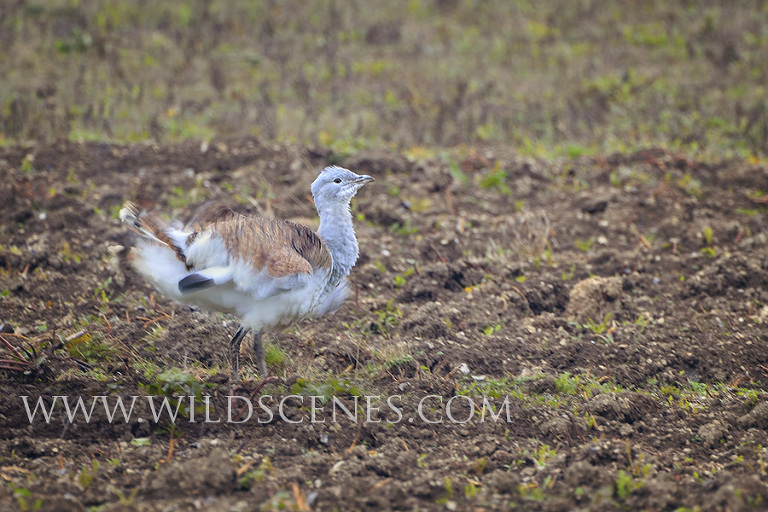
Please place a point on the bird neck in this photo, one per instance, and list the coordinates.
(338, 234)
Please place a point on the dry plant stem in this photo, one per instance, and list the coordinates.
(253, 394)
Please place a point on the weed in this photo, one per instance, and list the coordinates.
(625, 485)
(531, 492)
(584, 245)
(274, 356)
(114, 211)
(600, 328)
(405, 229)
(174, 383)
(639, 469)
(401, 279)
(480, 466)
(398, 361)
(127, 501)
(455, 169)
(690, 185)
(23, 357)
(568, 384)
(750, 212)
(257, 475)
(26, 163)
(67, 255)
(494, 388)
(90, 348)
(641, 322)
(448, 484)
(100, 293)
(496, 178)
(544, 453)
(386, 318)
(606, 338)
(22, 495)
(97, 374)
(330, 386)
(86, 475)
(750, 396)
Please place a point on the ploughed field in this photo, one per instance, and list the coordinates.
(553, 335)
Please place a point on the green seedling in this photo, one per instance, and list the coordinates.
(584, 245)
(600, 328)
(497, 179)
(274, 356)
(86, 475)
(257, 475)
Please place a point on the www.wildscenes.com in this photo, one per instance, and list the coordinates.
(430, 409)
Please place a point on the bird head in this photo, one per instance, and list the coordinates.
(337, 186)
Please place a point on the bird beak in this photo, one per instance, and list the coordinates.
(362, 180)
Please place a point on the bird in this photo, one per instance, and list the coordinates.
(270, 273)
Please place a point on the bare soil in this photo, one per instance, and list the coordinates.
(618, 304)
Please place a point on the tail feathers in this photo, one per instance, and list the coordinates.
(151, 227)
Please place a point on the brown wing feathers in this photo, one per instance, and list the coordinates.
(210, 213)
(282, 247)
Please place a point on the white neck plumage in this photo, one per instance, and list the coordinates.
(338, 234)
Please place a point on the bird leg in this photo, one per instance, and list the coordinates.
(234, 352)
(258, 349)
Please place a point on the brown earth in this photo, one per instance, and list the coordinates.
(618, 304)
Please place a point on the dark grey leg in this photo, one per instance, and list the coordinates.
(234, 353)
(258, 349)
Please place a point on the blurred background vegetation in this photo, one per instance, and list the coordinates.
(548, 77)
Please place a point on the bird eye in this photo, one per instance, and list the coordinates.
(337, 180)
